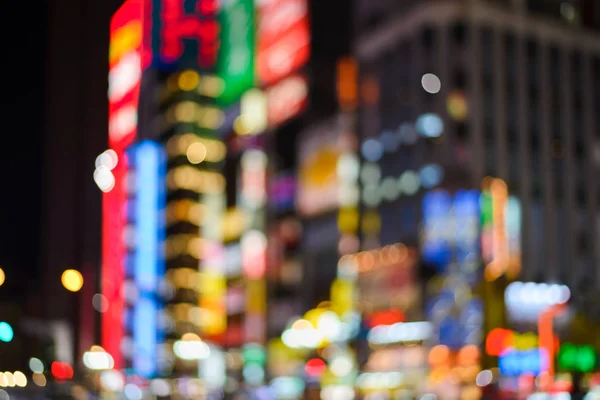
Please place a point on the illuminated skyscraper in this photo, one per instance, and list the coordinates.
(518, 97)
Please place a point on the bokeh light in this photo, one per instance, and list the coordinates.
(2, 277)
(430, 125)
(72, 280)
(36, 365)
(6, 332)
(196, 153)
(372, 150)
(431, 83)
(20, 379)
(39, 380)
(100, 303)
(456, 105)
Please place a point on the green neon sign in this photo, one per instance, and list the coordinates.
(235, 63)
(576, 358)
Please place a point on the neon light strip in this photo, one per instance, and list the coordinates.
(113, 256)
(149, 261)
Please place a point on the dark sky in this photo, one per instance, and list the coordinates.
(22, 124)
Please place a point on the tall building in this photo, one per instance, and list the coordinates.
(515, 85)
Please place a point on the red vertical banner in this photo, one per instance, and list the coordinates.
(125, 74)
(283, 38)
(113, 257)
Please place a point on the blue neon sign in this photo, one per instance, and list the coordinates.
(436, 246)
(515, 362)
(148, 260)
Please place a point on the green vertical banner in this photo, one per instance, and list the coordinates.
(236, 60)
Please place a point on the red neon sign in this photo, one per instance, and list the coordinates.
(286, 99)
(113, 255)
(386, 317)
(125, 70)
(125, 73)
(201, 26)
(283, 38)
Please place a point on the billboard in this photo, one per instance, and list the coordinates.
(283, 38)
(181, 34)
(125, 73)
(235, 64)
(387, 279)
(148, 161)
(321, 148)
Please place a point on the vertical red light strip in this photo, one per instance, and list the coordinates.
(283, 39)
(113, 255)
(125, 63)
(547, 340)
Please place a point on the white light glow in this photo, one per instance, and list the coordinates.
(124, 121)
(254, 111)
(104, 178)
(108, 158)
(191, 350)
(484, 378)
(341, 366)
(133, 392)
(380, 380)
(20, 379)
(124, 76)
(309, 338)
(348, 168)
(112, 381)
(431, 83)
(337, 392)
(160, 387)
(400, 333)
(329, 325)
(525, 301)
(98, 360)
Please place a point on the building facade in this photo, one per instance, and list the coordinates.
(518, 100)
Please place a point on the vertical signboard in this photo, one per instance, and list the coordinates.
(113, 256)
(254, 243)
(466, 233)
(235, 65)
(125, 73)
(283, 38)
(123, 95)
(183, 34)
(436, 247)
(148, 160)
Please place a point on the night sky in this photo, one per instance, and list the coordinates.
(21, 162)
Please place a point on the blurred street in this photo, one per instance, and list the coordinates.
(301, 200)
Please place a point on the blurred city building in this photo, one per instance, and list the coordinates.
(515, 87)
